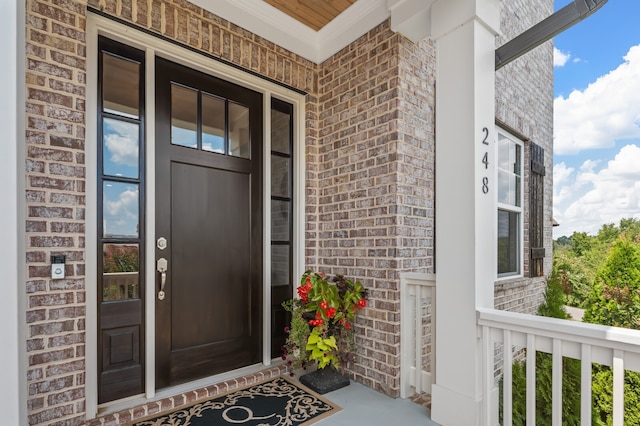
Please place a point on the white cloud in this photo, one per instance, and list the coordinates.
(606, 111)
(121, 140)
(560, 58)
(585, 199)
(120, 210)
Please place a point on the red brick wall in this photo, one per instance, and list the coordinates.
(375, 183)
(55, 194)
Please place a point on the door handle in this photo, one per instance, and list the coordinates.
(161, 266)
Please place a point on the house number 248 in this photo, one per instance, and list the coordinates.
(485, 160)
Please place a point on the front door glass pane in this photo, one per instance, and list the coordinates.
(212, 123)
(280, 224)
(280, 265)
(120, 265)
(184, 116)
(280, 131)
(120, 215)
(280, 167)
(120, 148)
(239, 135)
(120, 86)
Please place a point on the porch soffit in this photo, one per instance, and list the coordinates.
(316, 29)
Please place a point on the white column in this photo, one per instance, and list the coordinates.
(12, 374)
(464, 32)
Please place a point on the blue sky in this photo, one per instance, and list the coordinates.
(597, 119)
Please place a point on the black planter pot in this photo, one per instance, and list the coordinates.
(324, 380)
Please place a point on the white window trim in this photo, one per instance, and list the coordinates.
(510, 208)
(99, 25)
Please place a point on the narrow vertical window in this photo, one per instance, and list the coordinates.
(509, 227)
(281, 217)
(120, 220)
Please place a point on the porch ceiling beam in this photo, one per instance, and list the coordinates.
(546, 29)
(411, 18)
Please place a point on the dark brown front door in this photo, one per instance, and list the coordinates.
(209, 211)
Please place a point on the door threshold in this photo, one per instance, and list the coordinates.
(170, 399)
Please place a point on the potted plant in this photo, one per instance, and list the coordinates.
(321, 328)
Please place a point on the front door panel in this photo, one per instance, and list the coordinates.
(209, 209)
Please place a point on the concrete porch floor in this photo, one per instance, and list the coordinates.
(364, 406)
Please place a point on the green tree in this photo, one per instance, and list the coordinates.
(614, 298)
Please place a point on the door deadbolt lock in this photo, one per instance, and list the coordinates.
(161, 243)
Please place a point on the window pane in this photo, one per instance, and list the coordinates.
(280, 176)
(508, 188)
(509, 171)
(120, 215)
(212, 123)
(279, 265)
(120, 86)
(280, 220)
(508, 243)
(120, 148)
(280, 131)
(239, 136)
(120, 279)
(184, 116)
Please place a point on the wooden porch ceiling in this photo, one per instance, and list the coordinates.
(317, 29)
(315, 14)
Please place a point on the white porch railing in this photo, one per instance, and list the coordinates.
(417, 335)
(611, 346)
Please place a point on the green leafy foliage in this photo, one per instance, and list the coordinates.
(322, 321)
(614, 298)
(602, 385)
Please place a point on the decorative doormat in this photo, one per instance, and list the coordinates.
(276, 402)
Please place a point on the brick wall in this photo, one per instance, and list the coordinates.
(524, 101)
(55, 196)
(375, 183)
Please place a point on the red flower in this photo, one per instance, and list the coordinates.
(324, 304)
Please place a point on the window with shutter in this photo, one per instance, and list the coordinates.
(536, 209)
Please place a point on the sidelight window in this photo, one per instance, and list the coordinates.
(120, 220)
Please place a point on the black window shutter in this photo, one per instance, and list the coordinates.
(536, 209)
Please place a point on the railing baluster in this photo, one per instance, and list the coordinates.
(585, 385)
(531, 379)
(418, 338)
(618, 388)
(556, 378)
(507, 387)
(487, 349)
